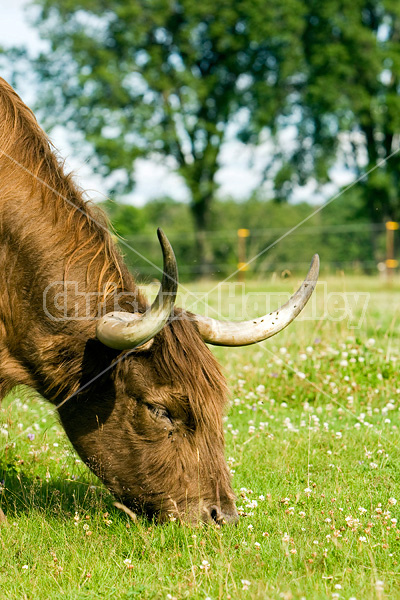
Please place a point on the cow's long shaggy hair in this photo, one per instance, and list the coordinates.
(28, 157)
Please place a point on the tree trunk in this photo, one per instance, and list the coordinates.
(201, 215)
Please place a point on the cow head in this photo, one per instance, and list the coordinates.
(156, 436)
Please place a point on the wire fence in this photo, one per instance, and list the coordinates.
(351, 247)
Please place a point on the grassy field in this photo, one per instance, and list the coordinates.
(312, 438)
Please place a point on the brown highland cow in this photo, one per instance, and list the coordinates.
(138, 392)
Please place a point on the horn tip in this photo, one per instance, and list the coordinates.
(314, 268)
(164, 242)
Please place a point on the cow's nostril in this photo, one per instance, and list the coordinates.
(215, 514)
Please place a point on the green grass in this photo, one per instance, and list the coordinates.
(325, 420)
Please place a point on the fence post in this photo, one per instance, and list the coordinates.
(242, 265)
(391, 262)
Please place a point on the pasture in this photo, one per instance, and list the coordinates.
(312, 439)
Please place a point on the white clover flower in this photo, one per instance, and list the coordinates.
(205, 565)
(392, 501)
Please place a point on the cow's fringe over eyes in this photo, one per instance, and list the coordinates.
(179, 350)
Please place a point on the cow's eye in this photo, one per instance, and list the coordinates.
(158, 412)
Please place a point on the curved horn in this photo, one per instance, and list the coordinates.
(124, 330)
(228, 333)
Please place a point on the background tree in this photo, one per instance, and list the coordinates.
(167, 78)
(347, 104)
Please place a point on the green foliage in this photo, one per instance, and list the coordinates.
(352, 71)
(126, 219)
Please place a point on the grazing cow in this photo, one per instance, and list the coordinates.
(137, 390)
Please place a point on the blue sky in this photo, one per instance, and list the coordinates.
(241, 166)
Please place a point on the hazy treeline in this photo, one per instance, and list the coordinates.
(340, 233)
